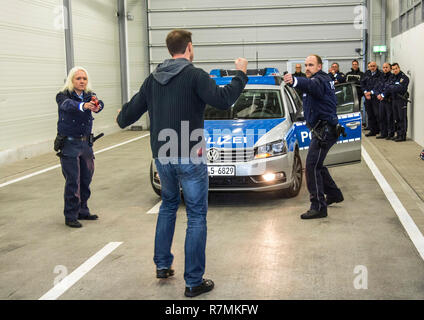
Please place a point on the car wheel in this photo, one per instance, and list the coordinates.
(297, 175)
(155, 189)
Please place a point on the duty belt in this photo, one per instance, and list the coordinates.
(85, 138)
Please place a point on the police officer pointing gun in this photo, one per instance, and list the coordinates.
(74, 140)
(319, 105)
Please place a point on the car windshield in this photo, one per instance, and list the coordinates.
(252, 104)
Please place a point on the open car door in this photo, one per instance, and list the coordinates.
(348, 149)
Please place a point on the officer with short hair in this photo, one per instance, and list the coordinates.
(385, 110)
(371, 103)
(336, 74)
(320, 110)
(355, 74)
(398, 89)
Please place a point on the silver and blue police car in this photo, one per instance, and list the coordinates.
(261, 142)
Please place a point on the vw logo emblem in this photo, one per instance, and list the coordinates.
(213, 154)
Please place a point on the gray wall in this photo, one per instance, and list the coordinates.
(33, 66)
(280, 31)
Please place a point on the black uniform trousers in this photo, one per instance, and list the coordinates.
(77, 162)
(372, 107)
(386, 117)
(400, 117)
(318, 178)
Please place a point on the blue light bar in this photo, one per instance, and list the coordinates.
(265, 72)
(267, 80)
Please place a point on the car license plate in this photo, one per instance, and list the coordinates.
(221, 170)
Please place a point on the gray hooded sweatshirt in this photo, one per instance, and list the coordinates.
(169, 69)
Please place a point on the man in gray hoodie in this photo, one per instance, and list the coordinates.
(175, 96)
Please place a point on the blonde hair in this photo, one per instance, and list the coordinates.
(69, 86)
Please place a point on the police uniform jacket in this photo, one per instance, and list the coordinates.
(370, 81)
(299, 74)
(383, 84)
(355, 73)
(340, 77)
(398, 85)
(319, 98)
(74, 120)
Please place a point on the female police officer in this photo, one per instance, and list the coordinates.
(76, 102)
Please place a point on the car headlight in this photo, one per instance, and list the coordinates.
(272, 149)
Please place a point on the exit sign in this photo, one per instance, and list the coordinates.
(379, 49)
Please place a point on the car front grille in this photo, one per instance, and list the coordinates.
(231, 156)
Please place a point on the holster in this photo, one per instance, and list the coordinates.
(59, 143)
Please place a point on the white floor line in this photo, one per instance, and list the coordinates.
(406, 220)
(58, 165)
(155, 209)
(82, 270)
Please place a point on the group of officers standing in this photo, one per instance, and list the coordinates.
(386, 97)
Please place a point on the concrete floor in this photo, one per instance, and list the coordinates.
(257, 247)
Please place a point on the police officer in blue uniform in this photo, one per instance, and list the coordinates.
(385, 110)
(320, 110)
(372, 104)
(336, 75)
(367, 103)
(76, 102)
(398, 90)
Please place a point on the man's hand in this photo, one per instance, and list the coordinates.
(288, 78)
(241, 64)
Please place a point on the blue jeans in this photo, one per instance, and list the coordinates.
(193, 179)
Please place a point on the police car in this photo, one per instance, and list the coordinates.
(261, 142)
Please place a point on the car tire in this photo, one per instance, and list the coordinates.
(297, 175)
(155, 189)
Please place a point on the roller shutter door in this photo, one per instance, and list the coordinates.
(32, 55)
(275, 31)
(96, 48)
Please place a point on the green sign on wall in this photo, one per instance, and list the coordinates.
(379, 49)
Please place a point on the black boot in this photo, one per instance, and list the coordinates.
(73, 223)
(331, 200)
(400, 138)
(314, 214)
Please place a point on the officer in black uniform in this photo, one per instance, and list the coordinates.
(355, 75)
(336, 75)
(76, 102)
(320, 110)
(386, 110)
(299, 74)
(398, 90)
(373, 104)
(367, 103)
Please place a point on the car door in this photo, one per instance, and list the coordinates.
(347, 149)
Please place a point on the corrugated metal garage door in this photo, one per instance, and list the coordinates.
(32, 55)
(96, 48)
(276, 31)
